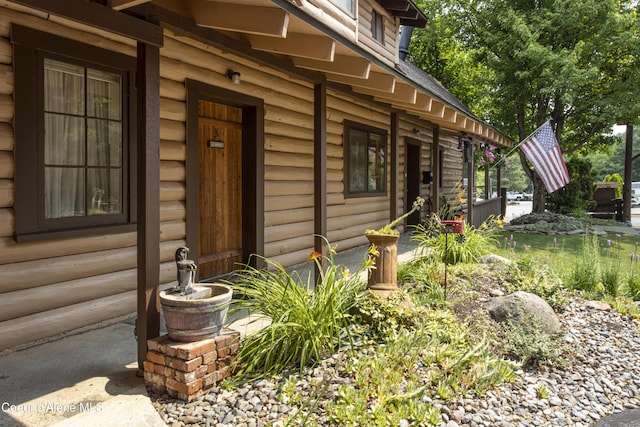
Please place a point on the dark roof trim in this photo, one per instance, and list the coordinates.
(409, 14)
(101, 17)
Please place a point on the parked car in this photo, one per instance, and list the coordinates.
(513, 196)
(635, 201)
(526, 197)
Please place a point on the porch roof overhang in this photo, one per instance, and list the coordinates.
(319, 46)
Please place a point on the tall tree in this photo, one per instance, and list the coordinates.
(575, 61)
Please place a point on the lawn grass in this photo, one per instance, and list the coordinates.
(563, 254)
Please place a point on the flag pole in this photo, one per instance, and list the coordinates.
(519, 144)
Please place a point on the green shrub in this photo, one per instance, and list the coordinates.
(530, 276)
(457, 248)
(307, 321)
(529, 344)
(585, 274)
(633, 286)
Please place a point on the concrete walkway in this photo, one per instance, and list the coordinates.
(89, 379)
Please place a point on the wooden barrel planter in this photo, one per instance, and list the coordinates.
(383, 279)
(198, 315)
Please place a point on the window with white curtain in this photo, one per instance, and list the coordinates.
(83, 172)
(74, 115)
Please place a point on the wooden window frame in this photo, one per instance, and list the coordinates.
(31, 47)
(348, 125)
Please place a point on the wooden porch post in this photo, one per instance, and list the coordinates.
(628, 164)
(435, 168)
(148, 197)
(320, 173)
(471, 183)
(393, 191)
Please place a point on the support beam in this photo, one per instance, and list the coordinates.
(393, 161)
(320, 174)
(267, 21)
(626, 186)
(148, 204)
(301, 45)
(125, 4)
(375, 81)
(402, 93)
(435, 168)
(353, 66)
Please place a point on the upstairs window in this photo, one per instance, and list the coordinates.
(366, 160)
(348, 6)
(377, 27)
(75, 164)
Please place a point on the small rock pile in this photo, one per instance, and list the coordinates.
(602, 379)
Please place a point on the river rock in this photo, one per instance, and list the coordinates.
(515, 307)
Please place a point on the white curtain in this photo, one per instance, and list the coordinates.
(83, 141)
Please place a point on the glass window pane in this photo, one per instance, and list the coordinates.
(63, 87)
(104, 91)
(64, 140)
(376, 163)
(346, 5)
(104, 190)
(104, 143)
(357, 142)
(64, 192)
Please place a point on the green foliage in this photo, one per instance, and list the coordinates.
(531, 276)
(529, 344)
(391, 227)
(571, 61)
(307, 322)
(615, 177)
(457, 248)
(437, 359)
(585, 274)
(423, 275)
(633, 286)
(578, 192)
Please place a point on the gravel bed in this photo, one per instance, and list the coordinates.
(603, 378)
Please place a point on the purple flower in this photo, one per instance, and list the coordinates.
(555, 242)
(609, 243)
(514, 244)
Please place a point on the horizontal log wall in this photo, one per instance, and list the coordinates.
(54, 286)
(453, 164)
(388, 49)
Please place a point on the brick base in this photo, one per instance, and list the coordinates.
(188, 370)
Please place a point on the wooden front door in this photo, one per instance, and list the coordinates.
(220, 189)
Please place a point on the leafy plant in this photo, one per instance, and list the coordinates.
(530, 276)
(391, 227)
(586, 271)
(307, 321)
(529, 344)
(463, 248)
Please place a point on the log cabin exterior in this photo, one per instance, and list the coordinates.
(234, 128)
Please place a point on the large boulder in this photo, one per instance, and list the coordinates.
(516, 307)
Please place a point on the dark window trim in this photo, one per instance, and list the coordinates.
(30, 47)
(375, 17)
(347, 125)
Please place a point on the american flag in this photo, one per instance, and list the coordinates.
(543, 151)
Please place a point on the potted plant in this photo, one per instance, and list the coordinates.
(383, 278)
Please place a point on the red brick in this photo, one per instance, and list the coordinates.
(149, 366)
(211, 379)
(188, 351)
(209, 357)
(223, 352)
(169, 372)
(184, 388)
(226, 338)
(156, 358)
(184, 365)
(224, 362)
(185, 377)
(233, 348)
(154, 379)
